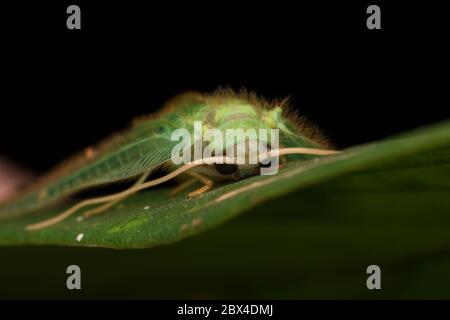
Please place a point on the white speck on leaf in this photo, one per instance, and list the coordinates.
(146, 207)
(80, 237)
(79, 218)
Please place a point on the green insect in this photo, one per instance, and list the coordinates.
(145, 149)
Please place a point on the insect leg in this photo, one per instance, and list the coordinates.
(208, 183)
(181, 187)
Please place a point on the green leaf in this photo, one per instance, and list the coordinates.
(411, 171)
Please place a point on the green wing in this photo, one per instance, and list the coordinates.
(144, 147)
(141, 149)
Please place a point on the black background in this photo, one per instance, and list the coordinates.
(65, 89)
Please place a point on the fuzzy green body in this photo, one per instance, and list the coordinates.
(147, 146)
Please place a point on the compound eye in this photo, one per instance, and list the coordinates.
(225, 168)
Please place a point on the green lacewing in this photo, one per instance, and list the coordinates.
(145, 148)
